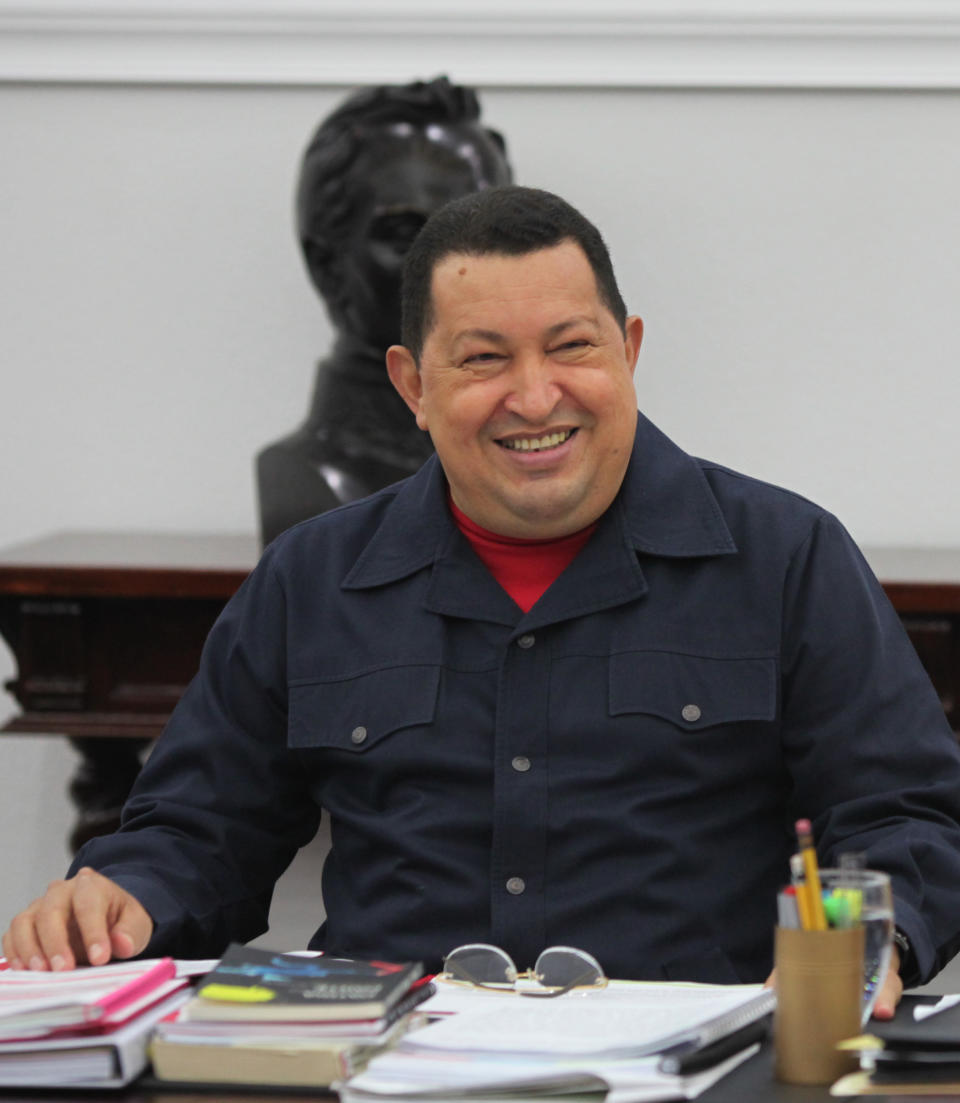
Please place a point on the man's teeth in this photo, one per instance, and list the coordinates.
(537, 444)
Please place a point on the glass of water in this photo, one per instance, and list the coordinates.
(863, 896)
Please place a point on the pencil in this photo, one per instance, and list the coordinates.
(800, 889)
(814, 894)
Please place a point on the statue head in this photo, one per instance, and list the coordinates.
(373, 173)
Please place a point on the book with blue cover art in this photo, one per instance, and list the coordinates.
(259, 985)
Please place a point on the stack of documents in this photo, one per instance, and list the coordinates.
(623, 1039)
(85, 1027)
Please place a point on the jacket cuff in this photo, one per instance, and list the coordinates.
(919, 964)
(167, 916)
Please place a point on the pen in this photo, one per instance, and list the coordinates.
(818, 919)
(692, 1058)
(788, 914)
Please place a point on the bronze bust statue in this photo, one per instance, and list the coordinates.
(374, 171)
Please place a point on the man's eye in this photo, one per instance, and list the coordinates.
(483, 358)
(569, 346)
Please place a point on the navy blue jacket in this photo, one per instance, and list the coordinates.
(617, 769)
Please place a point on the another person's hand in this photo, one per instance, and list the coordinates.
(86, 919)
(892, 989)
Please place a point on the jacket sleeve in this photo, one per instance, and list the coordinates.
(219, 809)
(872, 758)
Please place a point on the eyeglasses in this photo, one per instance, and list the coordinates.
(558, 970)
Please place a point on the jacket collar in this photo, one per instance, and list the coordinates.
(665, 508)
(668, 506)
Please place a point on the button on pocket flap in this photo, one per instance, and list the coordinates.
(692, 691)
(353, 714)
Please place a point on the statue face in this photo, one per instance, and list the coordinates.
(403, 175)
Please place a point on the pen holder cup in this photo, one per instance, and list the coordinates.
(819, 983)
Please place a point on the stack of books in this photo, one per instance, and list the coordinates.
(286, 1019)
(915, 1054)
(87, 1027)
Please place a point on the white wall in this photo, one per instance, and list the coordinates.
(794, 255)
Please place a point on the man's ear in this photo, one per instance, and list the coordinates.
(633, 330)
(405, 376)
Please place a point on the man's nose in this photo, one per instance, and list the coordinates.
(534, 391)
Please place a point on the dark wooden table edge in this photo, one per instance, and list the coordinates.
(78, 582)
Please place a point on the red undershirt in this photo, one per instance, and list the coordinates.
(524, 568)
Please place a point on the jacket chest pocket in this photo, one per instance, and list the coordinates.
(693, 692)
(356, 713)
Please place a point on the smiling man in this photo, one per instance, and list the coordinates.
(566, 685)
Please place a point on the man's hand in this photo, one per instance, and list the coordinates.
(87, 919)
(887, 998)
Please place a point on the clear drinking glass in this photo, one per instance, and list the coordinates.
(863, 895)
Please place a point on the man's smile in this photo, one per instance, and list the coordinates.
(537, 444)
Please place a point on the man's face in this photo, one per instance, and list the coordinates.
(404, 174)
(525, 385)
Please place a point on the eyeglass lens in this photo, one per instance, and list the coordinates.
(479, 963)
(565, 967)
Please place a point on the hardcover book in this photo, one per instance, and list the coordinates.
(294, 1059)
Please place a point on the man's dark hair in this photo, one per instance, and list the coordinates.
(510, 221)
(324, 201)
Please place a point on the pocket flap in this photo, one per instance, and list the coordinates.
(354, 714)
(693, 691)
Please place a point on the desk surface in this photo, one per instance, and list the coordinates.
(129, 564)
(752, 1082)
(240, 551)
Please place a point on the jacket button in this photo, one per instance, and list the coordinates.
(690, 713)
(521, 764)
(526, 641)
(358, 735)
(516, 885)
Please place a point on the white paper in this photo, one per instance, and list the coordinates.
(405, 1074)
(34, 1003)
(925, 1010)
(22, 986)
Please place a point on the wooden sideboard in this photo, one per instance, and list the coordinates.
(106, 630)
(923, 585)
